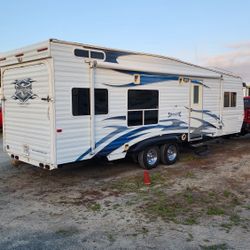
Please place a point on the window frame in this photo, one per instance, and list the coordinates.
(81, 116)
(143, 110)
(196, 101)
(89, 51)
(72, 114)
(230, 100)
(107, 101)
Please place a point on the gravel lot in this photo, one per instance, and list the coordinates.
(202, 202)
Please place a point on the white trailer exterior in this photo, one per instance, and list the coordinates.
(66, 102)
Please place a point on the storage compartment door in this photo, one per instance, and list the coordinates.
(28, 112)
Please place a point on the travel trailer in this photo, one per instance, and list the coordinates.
(67, 102)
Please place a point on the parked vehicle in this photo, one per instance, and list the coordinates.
(68, 102)
(246, 123)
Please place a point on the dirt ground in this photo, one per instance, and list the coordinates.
(201, 202)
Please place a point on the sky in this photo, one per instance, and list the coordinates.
(213, 33)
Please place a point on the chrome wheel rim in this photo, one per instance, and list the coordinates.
(152, 157)
(172, 152)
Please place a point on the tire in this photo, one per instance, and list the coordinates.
(149, 158)
(134, 158)
(169, 153)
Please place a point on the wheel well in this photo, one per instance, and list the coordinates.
(159, 140)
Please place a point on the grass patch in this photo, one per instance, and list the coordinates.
(227, 226)
(95, 207)
(191, 221)
(189, 197)
(67, 232)
(111, 238)
(188, 206)
(188, 157)
(235, 218)
(223, 246)
(247, 207)
(215, 211)
(158, 178)
(135, 184)
(115, 206)
(190, 174)
(212, 194)
(128, 185)
(226, 193)
(176, 209)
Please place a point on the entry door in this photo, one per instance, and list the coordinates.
(196, 111)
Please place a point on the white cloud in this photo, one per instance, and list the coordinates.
(237, 60)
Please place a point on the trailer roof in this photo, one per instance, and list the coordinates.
(218, 71)
(53, 40)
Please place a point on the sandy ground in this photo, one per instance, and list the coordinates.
(202, 202)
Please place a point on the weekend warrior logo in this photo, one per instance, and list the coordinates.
(23, 90)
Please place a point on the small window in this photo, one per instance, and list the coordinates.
(196, 94)
(230, 99)
(134, 118)
(101, 101)
(142, 107)
(81, 53)
(96, 55)
(151, 117)
(80, 101)
(89, 54)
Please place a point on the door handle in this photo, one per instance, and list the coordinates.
(47, 99)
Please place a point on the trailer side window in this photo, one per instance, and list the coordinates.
(135, 118)
(142, 107)
(196, 94)
(230, 99)
(89, 54)
(81, 53)
(80, 101)
(97, 55)
(101, 101)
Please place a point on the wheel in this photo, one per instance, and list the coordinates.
(149, 158)
(169, 153)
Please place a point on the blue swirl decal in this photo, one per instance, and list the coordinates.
(129, 136)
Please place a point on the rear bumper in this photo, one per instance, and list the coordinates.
(28, 160)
